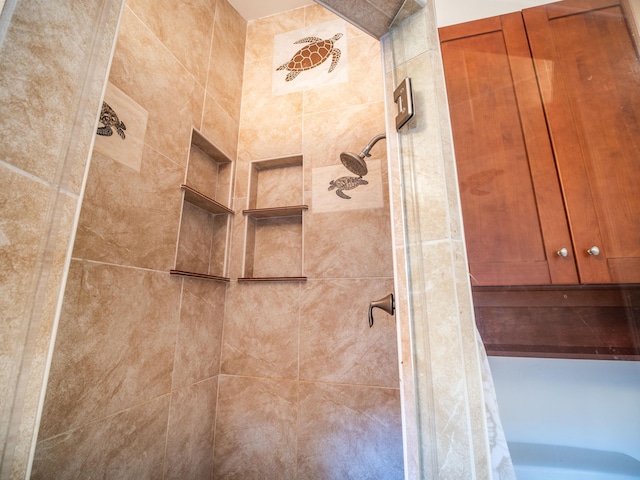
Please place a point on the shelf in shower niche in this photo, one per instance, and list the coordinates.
(204, 276)
(272, 279)
(209, 148)
(276, 211)
(200, 200)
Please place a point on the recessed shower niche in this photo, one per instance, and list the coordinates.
(205, 220)
(274, 233)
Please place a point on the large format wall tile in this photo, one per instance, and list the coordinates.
(190, 436)
(129, 217)
(200, 332)
(364, 85)
(261, 330)
(147, 72)
(224, 82)
(349, 432)
(220, 128)
(336, 343)
(351, 244)
(257, 98)
(24, 204)
(269, 136)
(34, 100)
(183, 27)
(194, 245)
(115, 344)
(130, 444)
(260, 33)
(255, 429)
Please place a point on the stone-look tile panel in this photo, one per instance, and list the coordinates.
(278, 187)
(268, 137)
(224, 82)
(35, 99)
(351, 244)
(473, 351)
(336, 343)
(255, 429)
(347, 431)
(220, 128)
(192, 419)
(417, 35)
(209, 177)
(448, 371)
(185, 28)
(130, 444)
(427, 209)
(24, 204)
(115, 344)
(257, 98)
(364, 85)
(43, 322)
(261, 330)
(146, 71)
(194, 245)
(200, 332)
(260, 33)
(129, 217)
(278, 247)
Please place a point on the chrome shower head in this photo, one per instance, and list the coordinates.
(355, 163)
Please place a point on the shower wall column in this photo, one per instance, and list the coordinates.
(442, 385)
(54, 58)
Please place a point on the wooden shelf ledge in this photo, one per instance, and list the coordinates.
(289, 211)
(272, 279)
(203, 276)
(200, 200)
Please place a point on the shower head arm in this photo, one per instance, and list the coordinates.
(367, 149)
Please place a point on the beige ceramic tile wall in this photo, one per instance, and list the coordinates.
(307, 389)
(51, 78)
(134, 377)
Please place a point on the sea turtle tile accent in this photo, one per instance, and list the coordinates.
(333, 191)
(122, 115)
(346, 183)
(320, 61)
(110, 121)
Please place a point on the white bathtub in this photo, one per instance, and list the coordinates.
(552, 462)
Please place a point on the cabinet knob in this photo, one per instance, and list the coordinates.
(594, 251)
(563, 252)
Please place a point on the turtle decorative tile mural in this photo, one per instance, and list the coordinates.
(310, 57)
(346, 183)
(109, 120)
(333, 191)
(122, 115)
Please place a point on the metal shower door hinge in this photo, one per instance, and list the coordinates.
(404, 99)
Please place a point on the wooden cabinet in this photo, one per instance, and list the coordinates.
(545, 112)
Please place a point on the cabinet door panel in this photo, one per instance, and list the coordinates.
(512, 206)
(590, 83)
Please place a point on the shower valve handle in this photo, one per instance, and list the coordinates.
(387, 304)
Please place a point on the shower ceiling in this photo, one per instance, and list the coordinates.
(254, 9)
(449, 12)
